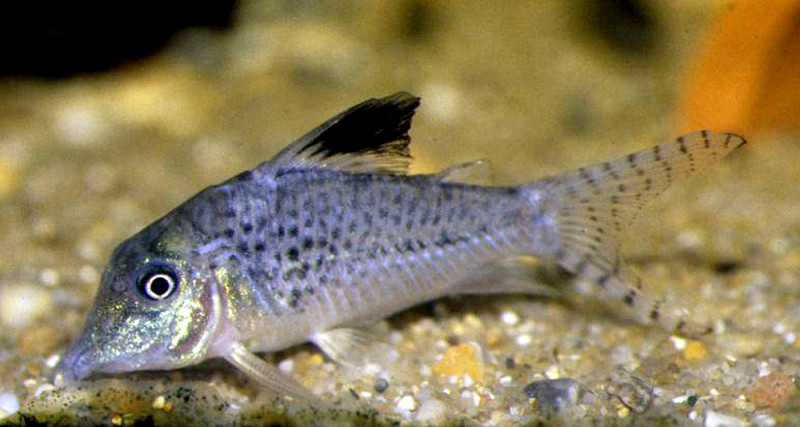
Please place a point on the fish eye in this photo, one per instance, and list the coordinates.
(158, 283)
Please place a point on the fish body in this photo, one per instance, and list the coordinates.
(332, 234)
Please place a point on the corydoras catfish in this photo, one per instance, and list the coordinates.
(332, 234)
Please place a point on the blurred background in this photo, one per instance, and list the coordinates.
(112, 115)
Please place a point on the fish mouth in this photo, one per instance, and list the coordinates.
(75, 364)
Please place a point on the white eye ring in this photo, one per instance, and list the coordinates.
(159, 286)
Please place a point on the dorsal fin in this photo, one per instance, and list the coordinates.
(369, 137)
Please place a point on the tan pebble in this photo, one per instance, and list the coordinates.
(695, 350)
(771, 391)
(460, 360)
(315, 359)
(116, 420)
(623, 412)
(167, 406)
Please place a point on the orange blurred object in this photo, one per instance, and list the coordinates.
(746, 78)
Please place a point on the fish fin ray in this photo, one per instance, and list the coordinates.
(478, 172)
(350, 346)
(369, 137)
(595, 204)
(266, 375)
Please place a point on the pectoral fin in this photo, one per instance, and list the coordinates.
(353, 347)
(269, 377)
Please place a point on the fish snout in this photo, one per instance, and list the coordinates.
(75, 364)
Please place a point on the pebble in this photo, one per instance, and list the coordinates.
(462, 360)
(509, 318)
(695, 350)
(716, 419)
(407, 403)
(554, 395)
(524, 340)
(158, 402)
(286, 366)
(771, 391)
(8, 404)
(381, 385)
(431, 411)
(22, 304)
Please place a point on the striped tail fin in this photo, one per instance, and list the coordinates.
(597, 203)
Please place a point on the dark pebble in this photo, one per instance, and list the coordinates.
(381, 385)
(511, 363)
(554, 395)
(691, 401)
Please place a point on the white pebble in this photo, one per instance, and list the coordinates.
(468, 381)
(524, 340)
(407, 403)
(286, 366)
(505, 380)
(88, 274)
(678, 342)
(431, 411)
(715, 419)
(49, 277)
(159, 402)
(52, 361)
(22, 304)
(509, 318)
(9, 403)
(764, 420)
(553, 372)
(43, 388)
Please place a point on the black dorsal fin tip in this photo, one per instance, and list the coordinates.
(369, 137)
(366, 127)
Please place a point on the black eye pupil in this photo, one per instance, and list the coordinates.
(159, 285)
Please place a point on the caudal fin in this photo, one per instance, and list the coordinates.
(597, 203)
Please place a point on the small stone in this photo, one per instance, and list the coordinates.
(158, 402)
(22, 304)
(715, 419)
(315, 359)
(52, 361)
(510, 363)
(509, 318)
(771, 391)
(695, 350)
(9, 403)
(678, 342)
(407, 403)
(43, 388)
(524, 340)
(553, 372)
(431, 411)
(116, 420)
(286, 366)
(633, 392)
(554, 395)
(461, 360)
(381, 385)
